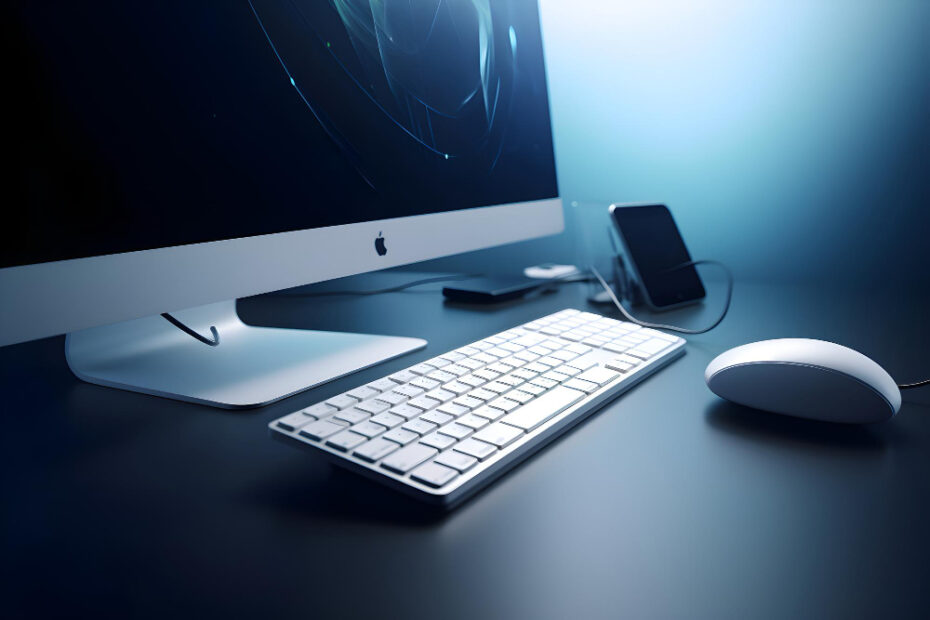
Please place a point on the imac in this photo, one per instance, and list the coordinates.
(170, 157)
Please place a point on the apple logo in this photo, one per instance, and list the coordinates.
(380, 248)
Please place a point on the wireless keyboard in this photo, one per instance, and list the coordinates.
(442, 429)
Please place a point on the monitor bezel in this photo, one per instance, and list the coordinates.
(54, 298)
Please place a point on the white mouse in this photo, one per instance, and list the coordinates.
(807, 379)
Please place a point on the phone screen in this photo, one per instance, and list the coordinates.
(655, 246)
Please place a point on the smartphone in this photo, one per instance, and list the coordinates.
(655, 248)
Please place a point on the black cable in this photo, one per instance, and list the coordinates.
(907, 386)
(391, 289)
(187, 330)
(673, 328)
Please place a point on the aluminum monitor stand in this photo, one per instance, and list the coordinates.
(250, 367)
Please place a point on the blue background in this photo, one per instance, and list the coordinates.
(790, 139)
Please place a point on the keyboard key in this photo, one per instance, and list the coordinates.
(584, 386)
(294, 421)
(458, 370)
(580, 349)
(484, 358)
(467, 350)
(513, 362)
(438, 441)
(441, 376)
(320, 410)
(441, 395)
(616, 347)
(421, 427)
(483, 394)
(373, 406)
(468, 401)
(435, 440)
(437, 417)
(382, 385)
(452, 356)
(404, 376)
(499, 368)
(598, 375)
(400, 435)
(346, 440)
(488, 412)
(473, 421)
(438, 362)
(510, 380)
(321, 430)
(460, 387)
(407, 458)
(456, 430)
(543, 408)
(477, 449)
(456, 460)
(643, 355)
(470, 364)
(434, 475)
(452, 409)
(497, 387)
(498, 434)
(376, 449)
(528, 340)
(520, 396)
(544, 383)
(563, 355)
(555, 376)
(567, 369)
(405, 411)
(369, 429)
(352, 416)
(525, 374)
(362, 393)
(536, 367)
(526, 356)
(504, 404)
(388, 419)
(425, 383)
(619, 366)
(470, 380)
(422, 402)
(587, 361)
(486, 374)
(391, 398)
(422, 369)
(409, 391)
(342, 401)
(535, 390)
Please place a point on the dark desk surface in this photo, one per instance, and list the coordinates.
(666, 503)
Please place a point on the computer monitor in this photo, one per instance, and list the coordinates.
(172, 156)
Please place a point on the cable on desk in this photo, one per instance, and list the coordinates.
(390, 289)
(916, 384)
(673, 328)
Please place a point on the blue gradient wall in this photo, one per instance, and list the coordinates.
(791, 139)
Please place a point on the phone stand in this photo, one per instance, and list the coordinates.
(625, 286)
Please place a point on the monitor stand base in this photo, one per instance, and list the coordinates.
(250, 367)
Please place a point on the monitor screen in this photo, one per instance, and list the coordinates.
(134, 126)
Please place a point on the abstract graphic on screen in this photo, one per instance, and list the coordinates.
(435, 69)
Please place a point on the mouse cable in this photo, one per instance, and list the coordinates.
(673, 328)
(916, 384)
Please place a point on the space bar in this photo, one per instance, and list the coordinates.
(535, 412)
